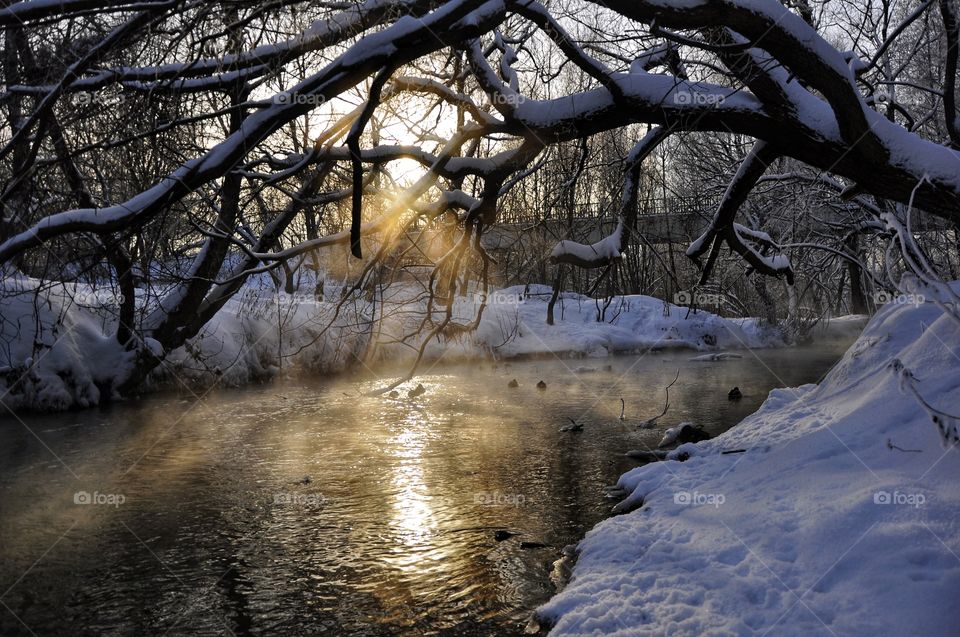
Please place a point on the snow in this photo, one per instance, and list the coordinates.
(607, 250)
(19, 12)
(841, 518)
(648, 91)
(915, 154)
(776, 262)
(697, 244)
(670, 435)
(211, 82)
(260, 333)
(650, 58)
(319, 34)
(634, 323)
(333, 79)
(840, 328)
(60, 372)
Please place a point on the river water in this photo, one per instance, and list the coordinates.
(305, 508)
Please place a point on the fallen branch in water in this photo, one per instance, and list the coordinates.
(647, 424)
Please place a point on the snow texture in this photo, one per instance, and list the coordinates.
(842, 517)
(260, 333)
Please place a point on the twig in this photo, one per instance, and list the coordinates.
(892, 446)
(947, 425)
(666, 402)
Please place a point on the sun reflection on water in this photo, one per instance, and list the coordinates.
(413, 514)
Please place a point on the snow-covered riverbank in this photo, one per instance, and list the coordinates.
(58, 350)
(841, 517)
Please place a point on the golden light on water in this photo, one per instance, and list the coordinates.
(412, 512)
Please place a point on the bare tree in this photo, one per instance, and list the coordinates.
(178, 147)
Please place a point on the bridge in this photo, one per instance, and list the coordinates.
(655, 228)
(676, 220)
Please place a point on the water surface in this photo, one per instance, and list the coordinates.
(305, 508)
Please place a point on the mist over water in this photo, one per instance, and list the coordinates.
(305, 508)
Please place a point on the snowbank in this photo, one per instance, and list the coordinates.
(57, 350)
(54, 352)
(630, 323)
(841, 518)
(840, 328)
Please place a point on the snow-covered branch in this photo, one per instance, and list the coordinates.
(609, 249)
(750, 244)
(406, 40)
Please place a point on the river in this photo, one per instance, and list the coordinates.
(303, 507)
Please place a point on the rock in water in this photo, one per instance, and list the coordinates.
(393, 394)
(683, 433)
(419, 390)
(735, 394)
(513, 384)
(502, 535)
(669, 437)
(616, 492)
(541, 385)
(563, 568)
(689, 433)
